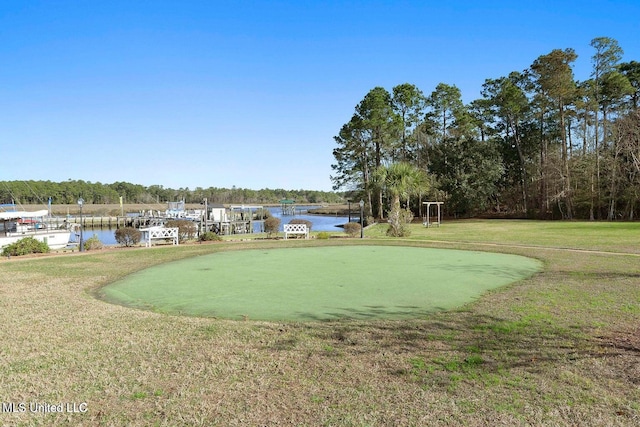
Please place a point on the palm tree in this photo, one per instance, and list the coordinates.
(400, 180)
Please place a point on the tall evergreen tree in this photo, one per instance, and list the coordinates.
(409, 104)
(509, 106)
(446, 105)
(554, 80)
(354, 158)
(608, 54)
(631, 70)
(382, 126)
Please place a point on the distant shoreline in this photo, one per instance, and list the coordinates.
(114, 209)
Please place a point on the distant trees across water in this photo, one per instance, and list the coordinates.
(68, 192)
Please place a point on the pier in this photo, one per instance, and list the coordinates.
(89, 221)
(236, 226)
(288, 208)
(237, 219)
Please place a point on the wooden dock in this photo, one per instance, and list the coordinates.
(107, 221)
(115, 222)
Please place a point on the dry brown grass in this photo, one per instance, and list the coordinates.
(560, 348)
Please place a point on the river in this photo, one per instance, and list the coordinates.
(319, 223)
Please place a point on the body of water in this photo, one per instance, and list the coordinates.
(319, 223)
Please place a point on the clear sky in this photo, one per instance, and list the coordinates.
(249, 93)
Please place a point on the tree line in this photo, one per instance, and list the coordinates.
(538, 143)
(68, 192)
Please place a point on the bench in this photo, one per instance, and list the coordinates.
(298, 229)
(159, 233)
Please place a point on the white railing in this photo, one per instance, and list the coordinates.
(296, 229)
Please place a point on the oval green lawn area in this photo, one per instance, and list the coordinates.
(320, 283)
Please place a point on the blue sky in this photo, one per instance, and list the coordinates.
(216, 94)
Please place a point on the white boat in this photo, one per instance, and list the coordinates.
(16, 225)
(177, 210)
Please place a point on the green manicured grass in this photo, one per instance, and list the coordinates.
(320, 283)
(605, 236)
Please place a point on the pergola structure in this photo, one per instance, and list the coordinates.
(426, 220)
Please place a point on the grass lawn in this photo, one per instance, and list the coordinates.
(558, 348)
(320, 283)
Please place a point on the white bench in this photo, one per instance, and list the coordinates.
(296, 229)
(159, 233)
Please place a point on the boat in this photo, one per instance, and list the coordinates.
(177, 210)
(16, 225)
